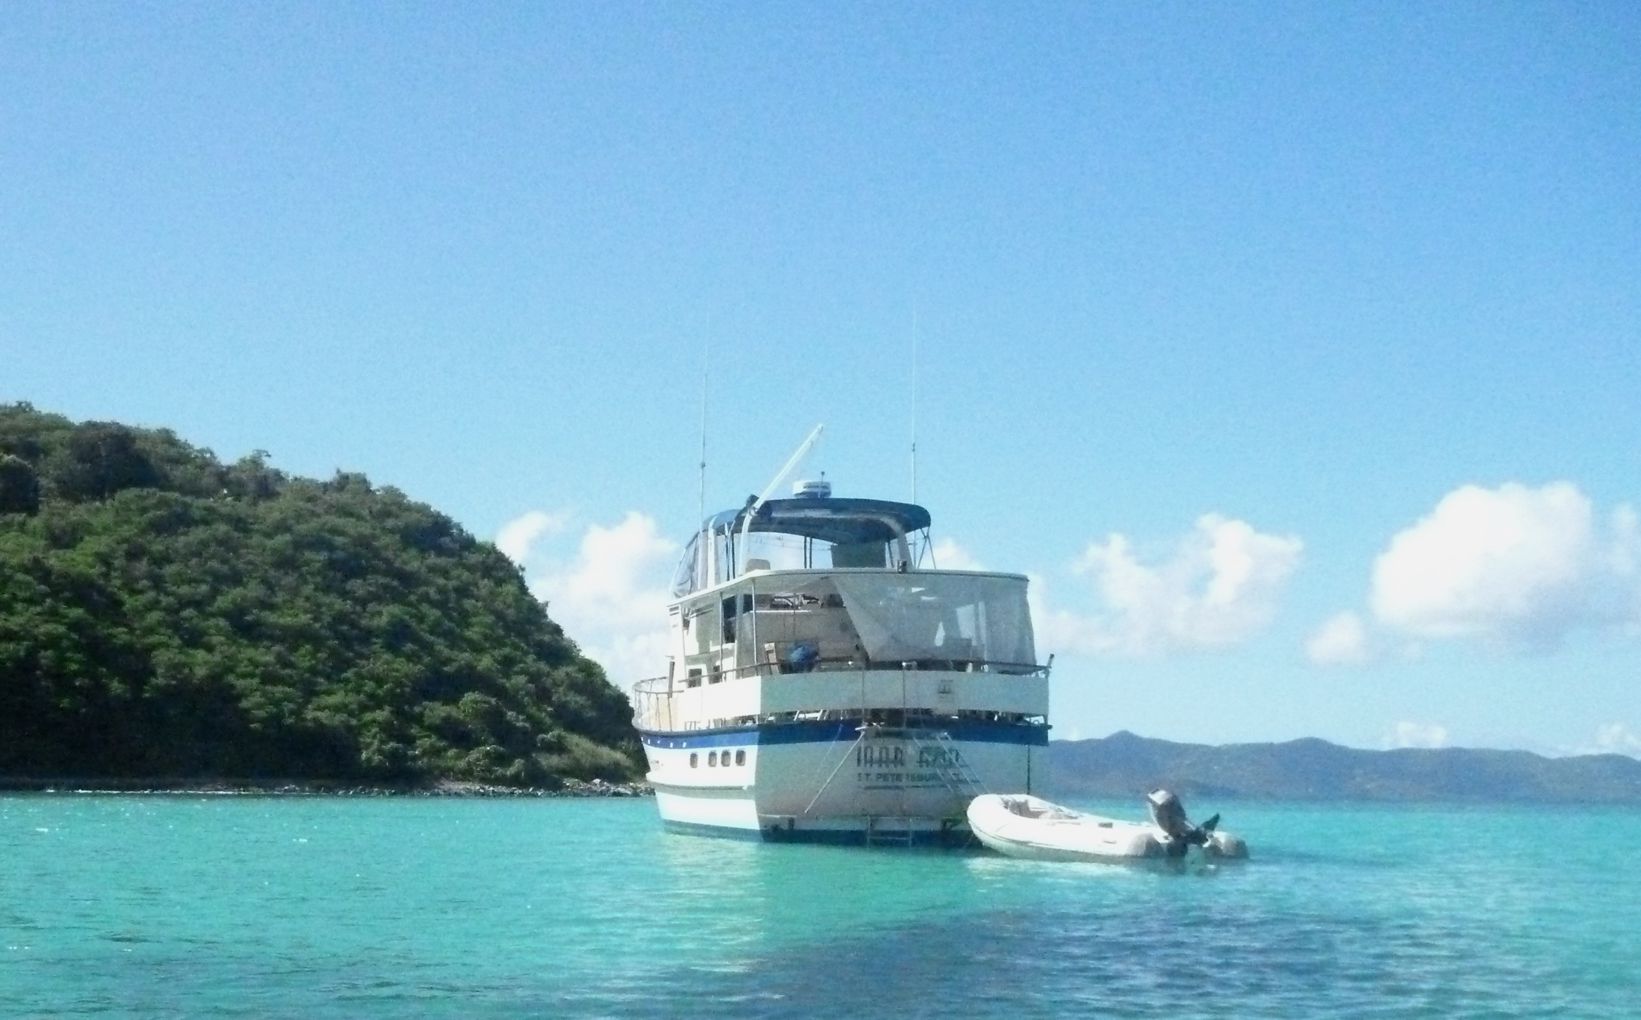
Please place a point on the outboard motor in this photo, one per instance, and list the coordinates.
(1168, 814)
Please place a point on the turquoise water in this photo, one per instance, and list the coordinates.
(251, 906)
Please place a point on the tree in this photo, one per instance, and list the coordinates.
(100, 459)
(251, 478)
(19, 486)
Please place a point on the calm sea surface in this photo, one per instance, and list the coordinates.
(253, 906)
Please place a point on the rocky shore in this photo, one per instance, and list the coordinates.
(313, 788)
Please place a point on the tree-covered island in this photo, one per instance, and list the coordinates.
(166, 615)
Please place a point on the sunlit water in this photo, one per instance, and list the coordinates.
(224, 906)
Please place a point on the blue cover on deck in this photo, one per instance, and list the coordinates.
(847, 521)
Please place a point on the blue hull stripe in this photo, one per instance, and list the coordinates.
(827, 731)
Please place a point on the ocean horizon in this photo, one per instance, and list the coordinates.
(190, 905)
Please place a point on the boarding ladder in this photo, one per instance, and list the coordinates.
(885, 830)
(901, 836)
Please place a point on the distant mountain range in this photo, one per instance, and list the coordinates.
(1126, 765)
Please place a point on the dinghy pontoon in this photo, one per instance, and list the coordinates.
(1021, 825)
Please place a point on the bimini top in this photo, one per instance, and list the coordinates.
(839, 521)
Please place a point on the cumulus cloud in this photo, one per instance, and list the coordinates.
(609, 594)
(1218, 586)
(1523, 565)
(1416, 734)
(1616, 738)
(518, 536)
(1342, 640)
(948, 555)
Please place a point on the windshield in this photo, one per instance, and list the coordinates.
(916, 616)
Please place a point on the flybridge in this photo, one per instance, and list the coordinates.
(833, 579)
(807, 531)
(799, 533)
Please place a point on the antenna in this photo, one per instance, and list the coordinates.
(702, 552)
(914, 401)
(705, 362)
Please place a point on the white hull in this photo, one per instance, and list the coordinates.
(833, 784)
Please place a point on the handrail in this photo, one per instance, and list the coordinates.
(651, 686)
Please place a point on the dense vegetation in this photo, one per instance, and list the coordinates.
(1125, 765)
(163, 614)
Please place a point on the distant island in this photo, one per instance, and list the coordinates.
(166, 615)
(1125, 765)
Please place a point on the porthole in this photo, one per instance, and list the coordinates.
(694, 759)
(712, 758)
(740, 757)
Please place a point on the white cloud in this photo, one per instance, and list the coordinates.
(948, 555)
(1624, 564)
(1616, 738)
(1218, 586)
(1416, 734)
(611, 594)
(1342, 640)
(1514, 563)
(518, 536)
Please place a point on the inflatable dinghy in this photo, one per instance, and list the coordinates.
(1020, 825)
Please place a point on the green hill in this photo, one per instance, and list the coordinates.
(1126, 765)
(163, 614)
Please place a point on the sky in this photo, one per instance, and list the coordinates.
(1292, 351)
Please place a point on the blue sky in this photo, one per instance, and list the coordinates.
(1293, 352)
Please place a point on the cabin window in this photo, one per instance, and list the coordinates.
(693, 759)
(740, 757)
(730, 608)
(712, 758)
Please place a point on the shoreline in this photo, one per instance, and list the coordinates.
(311, 788)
